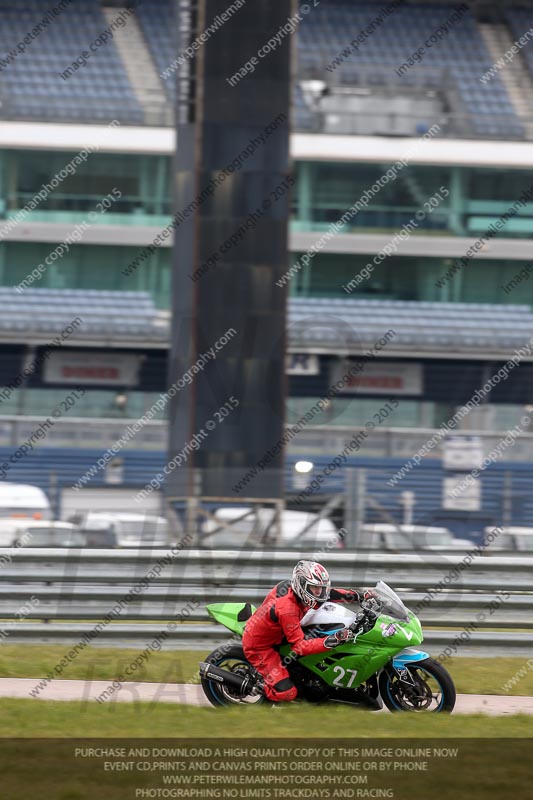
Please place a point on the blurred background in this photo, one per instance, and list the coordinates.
(77, 241)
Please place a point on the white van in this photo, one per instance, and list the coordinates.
(247, 529)
(121, 529)
(19, 500)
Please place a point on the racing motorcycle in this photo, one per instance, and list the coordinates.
(375, 668)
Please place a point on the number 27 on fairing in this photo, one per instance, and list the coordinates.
(340, 677)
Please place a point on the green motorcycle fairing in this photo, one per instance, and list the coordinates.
(345, 666)
(349, 665)
(228, 615)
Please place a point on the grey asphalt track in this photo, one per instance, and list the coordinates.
(494, 705)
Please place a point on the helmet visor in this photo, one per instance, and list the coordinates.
(320, 592)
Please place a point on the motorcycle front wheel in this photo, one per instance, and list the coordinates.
(233, 660)
(423, 686)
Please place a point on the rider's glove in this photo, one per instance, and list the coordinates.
(359, 595)
(352, 595)
(363, 623)
(339, 637)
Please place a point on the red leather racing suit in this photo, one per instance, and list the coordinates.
(278, 618)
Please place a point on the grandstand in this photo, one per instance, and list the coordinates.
(120, 79)
(356, 112)
(32, 87)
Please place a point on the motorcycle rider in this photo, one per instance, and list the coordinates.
(279, 618)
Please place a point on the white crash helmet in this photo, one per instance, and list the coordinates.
(311, 583)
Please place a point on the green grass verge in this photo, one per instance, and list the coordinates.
(30, 718)
(471, 675)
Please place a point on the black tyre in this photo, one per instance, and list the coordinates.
(231, 659)
(426, 687)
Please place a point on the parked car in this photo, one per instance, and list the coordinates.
(23, 500)
(388, 537)
(118, 529)
(44, 533)
(239, 527)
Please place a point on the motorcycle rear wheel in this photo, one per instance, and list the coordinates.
(231, 659)
(428, 687)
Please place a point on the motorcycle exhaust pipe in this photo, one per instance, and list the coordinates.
(234, 682)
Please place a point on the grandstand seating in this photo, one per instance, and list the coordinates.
(31, 86)
(328, 30)
(122, 315)
(304, 117)
(336, 323)
(462, 57)
(331, 322)
(31, 83)
(157, 20)
(519, 21)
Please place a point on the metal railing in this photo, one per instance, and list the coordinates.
(57, 595)
(97, 433)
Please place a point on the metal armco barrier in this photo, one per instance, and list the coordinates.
(57, 595)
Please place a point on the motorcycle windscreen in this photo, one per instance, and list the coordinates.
(390, 603)
(233, 616)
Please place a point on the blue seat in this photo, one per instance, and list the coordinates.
(31, 84)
